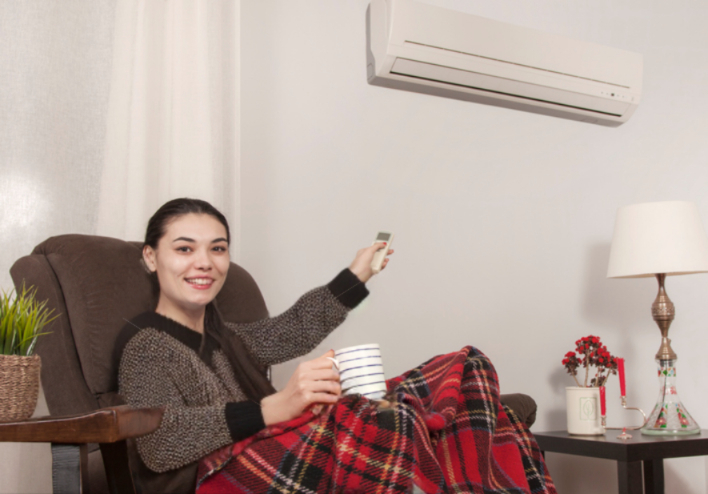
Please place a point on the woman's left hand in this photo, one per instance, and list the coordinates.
(361, 265)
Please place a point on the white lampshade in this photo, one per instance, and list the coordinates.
(658, 237)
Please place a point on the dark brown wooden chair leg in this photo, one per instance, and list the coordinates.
(70, 469)
(654, 476)
(115, 461)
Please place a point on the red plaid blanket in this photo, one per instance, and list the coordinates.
(445, 429)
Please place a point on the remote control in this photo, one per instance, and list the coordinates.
(380, 255)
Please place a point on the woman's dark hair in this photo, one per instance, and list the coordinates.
(249, 374)
(175, 208)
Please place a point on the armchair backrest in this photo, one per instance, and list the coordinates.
(96, 284)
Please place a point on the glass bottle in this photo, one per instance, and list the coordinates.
(669, 415)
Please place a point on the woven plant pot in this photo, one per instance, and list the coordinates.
(19, 386)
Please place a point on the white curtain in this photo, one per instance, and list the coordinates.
(172, 124)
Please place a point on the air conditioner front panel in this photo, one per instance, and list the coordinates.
(467, 80)
(428, 25)
(507, 70)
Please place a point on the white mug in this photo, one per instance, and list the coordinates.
(361, 370)
(583, 408)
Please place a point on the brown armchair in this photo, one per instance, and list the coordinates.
(96, 284)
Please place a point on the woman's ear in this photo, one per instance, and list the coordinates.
(149, 259)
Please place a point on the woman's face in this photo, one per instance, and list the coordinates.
(191, 261)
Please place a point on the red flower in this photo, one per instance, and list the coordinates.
(589, 351)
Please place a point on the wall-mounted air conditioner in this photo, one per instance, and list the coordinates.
(427, 49)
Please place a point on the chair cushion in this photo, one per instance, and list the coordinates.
(523, 406)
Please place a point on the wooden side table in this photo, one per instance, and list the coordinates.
(69, 435)
(639, 458)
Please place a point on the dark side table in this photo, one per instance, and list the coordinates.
(631, 454)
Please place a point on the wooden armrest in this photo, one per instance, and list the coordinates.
(106, 425)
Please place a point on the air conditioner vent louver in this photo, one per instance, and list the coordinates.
(495, 85)
(423, 48)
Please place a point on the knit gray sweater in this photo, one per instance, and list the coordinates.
(205, 408)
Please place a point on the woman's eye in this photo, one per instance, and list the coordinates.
(219, 248)
(184, 248)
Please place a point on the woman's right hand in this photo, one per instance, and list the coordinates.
(361, 265)
(314, 382)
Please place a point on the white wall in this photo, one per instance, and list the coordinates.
(525, 202)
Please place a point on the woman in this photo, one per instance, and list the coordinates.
(220, 409)
(208, 373)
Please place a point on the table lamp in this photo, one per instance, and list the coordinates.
(661, 239)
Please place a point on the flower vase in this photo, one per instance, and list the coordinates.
(583, 407)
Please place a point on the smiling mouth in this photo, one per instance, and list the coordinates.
(200, 282)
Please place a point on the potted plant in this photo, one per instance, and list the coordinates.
(583, 400)
(22, 319)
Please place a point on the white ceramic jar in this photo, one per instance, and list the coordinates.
(583, 408)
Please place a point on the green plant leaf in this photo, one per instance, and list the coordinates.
(22, 319)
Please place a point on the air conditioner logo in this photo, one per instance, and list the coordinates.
(588, 409)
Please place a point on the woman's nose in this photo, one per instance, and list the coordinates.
(203, 260)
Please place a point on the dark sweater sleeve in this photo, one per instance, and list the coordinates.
(348, 289)
(244, 418)
(301, 328)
